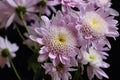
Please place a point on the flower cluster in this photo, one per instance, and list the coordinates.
(66, 39)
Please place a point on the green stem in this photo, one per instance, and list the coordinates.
(77, 75)
(24, 22)
(19, 32)
(41, 5)
(25, 25)
(15, 70)
(40, 11)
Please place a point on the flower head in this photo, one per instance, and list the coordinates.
(101, 3)
(92, 57)
(59, 39)
(95, 60)
(7, 50)
(13, 9)
(58, 72)
(96, 24)
(66, 4)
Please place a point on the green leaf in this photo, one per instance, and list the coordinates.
(33, 64)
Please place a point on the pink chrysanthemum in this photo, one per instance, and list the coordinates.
(48, 5)
(95, 60)
(70, 3)
(59, 39)
(101, 3)
(59, 72)
(104, 4)
(6, 49)
(96, 25)
(11, 10)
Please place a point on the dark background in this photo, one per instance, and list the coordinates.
(23, 55)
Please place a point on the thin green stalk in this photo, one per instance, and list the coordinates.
(24, 22)
(15, 70)
(19, 32)
(41, 5)
(25, 25)
(40, 11)
(77, 75)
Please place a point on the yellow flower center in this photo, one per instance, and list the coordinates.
(92, 57)
(61, 39)
(94, 23)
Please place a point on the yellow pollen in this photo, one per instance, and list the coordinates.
(61, 39)
(92, 57)
(94, 23)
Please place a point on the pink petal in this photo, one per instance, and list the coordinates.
(90, 72)
(52, 56)
(42, 57)
(113, 12)
(46, 20)
(64, 61)
(32, 9)
(12, 3)
(14, 47)
(43, 50)
(102, 73)
(10, 20)
(52, 3)
(12, 55)
(40, 41)
(105, 65)
(2, 43)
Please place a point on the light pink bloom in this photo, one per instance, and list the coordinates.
(69, 3)
(95, 60)
(12, 48)
(10, 11)
(59, 72)
(72, 3)
(59, 39)
(104, 4)
(101, 3)
(48, 6)
(95, 25)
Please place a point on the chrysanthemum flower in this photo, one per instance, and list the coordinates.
(48, 5)
(11, 11)
(72, 3)
(96, 24)
(104, 4)
(69, 3)
(7, 50)
(95, 60)
(101, 3)
(59, 72)
(59, 39)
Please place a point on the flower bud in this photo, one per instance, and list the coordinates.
(5, 52)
